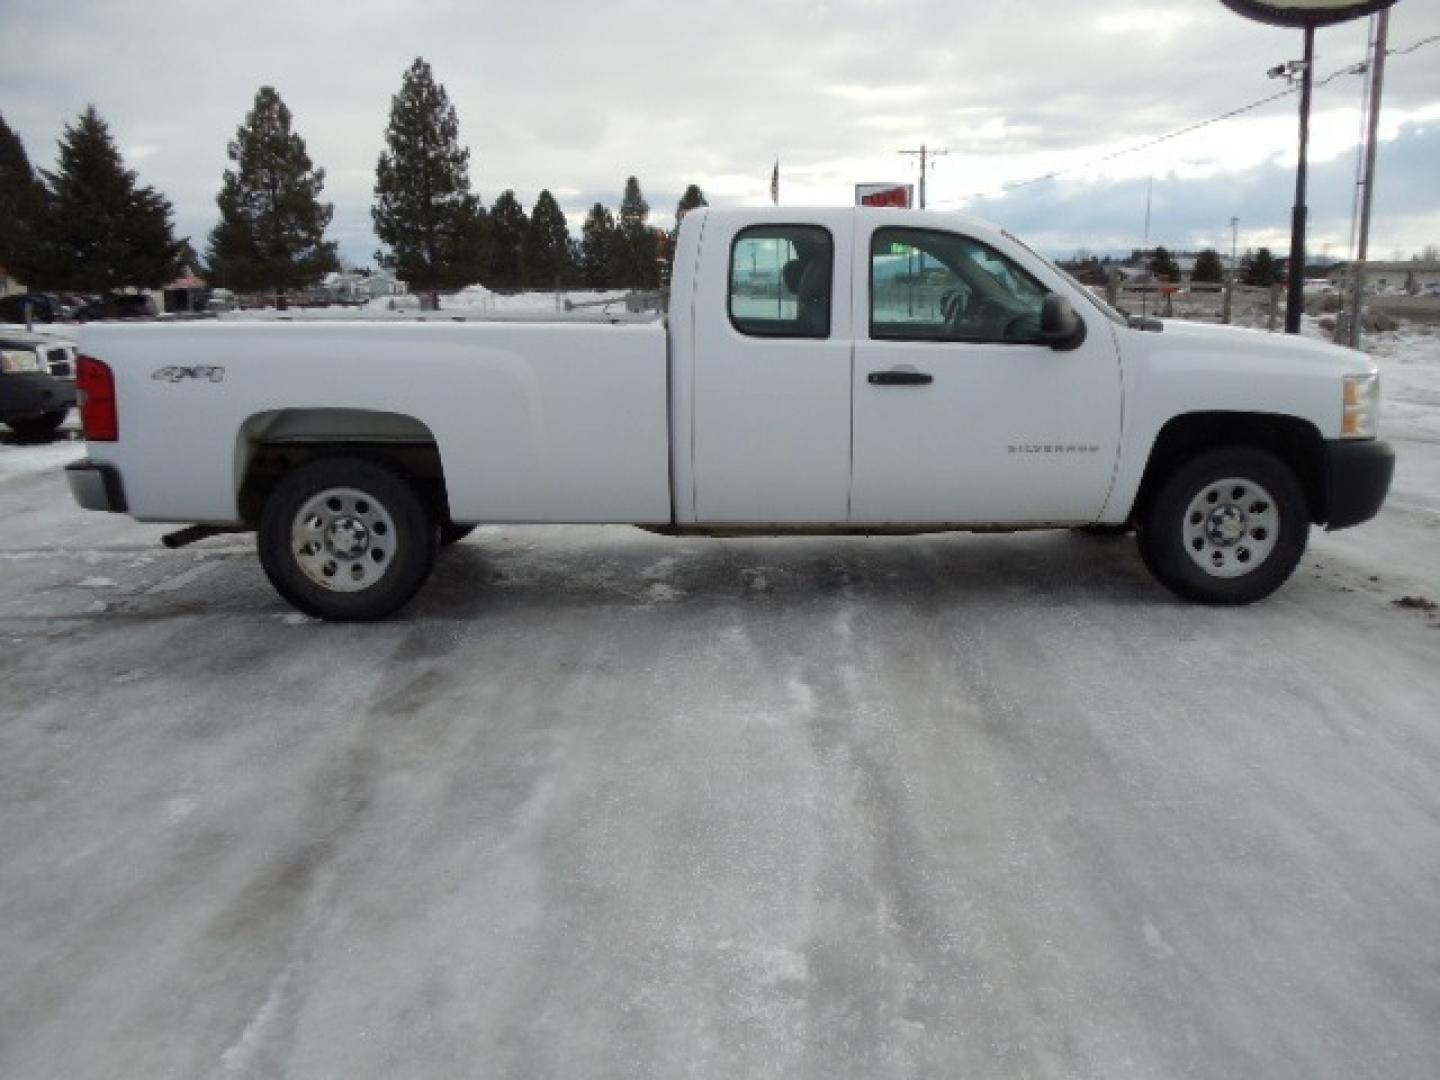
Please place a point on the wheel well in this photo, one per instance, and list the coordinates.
(270, 444)
(1296, 442)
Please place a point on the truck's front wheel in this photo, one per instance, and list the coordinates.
(1227, 527)
(346, 539)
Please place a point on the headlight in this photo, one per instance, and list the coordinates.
(16, 361)
(1361, 419)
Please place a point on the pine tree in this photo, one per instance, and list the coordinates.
(547, 262)
(431, 225)
(638, 267)
(599, 246)
(108, 232)
(1208, 267)
(693, 199)
(1163, 265)
(1259, 268)
(24, 213)
(508, 226)
(271, 234)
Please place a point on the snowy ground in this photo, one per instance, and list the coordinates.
(604, 804)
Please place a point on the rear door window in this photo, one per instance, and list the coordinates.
(781, 281)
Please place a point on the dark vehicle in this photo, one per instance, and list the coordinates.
(37, 383)
(119, 306)
(31, 307)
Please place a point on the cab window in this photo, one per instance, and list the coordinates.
(780, 281)
(927, 285)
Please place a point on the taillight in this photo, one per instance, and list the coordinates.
(95, 386)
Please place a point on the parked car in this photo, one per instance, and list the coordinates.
(815, 397)
(221, 300)
(118, 306)
(37, 382)
(31, 307)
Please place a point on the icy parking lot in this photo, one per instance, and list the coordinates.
(602, 804)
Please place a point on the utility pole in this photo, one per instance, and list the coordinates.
(1295, 301)
(1234, 242)
(926, 156)
(1357, 268)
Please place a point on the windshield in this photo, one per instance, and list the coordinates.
(1084, 290)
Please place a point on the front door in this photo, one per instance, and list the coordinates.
(961, 414)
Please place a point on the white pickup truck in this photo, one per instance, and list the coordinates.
(842, 370)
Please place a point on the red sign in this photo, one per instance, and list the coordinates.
(884, 195)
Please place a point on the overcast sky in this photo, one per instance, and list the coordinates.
(577, 95)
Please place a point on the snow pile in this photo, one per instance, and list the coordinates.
(472, 297)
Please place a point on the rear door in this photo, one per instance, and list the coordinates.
(772, 371)
(961, 414)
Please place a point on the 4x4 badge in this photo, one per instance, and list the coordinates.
(175, 373)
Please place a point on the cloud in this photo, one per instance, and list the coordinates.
(577, 95)
(1188, 213)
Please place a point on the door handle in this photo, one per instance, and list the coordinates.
(900, 378)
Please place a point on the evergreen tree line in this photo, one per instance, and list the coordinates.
(436, 234)
(91, 227)
(1257, 267)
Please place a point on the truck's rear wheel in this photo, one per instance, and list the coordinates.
(346, 539)
(1227, 527)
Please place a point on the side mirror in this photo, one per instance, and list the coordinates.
(1060, 327)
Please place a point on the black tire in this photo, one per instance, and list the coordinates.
(1187, 533)
(391, 530)
(450, 533)
(38, 428)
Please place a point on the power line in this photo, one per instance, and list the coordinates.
(1411, 48)
(1350, 69)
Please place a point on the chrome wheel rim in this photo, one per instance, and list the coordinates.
(343, 539)
(1231, 527)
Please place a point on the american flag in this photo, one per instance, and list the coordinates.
(775, 184)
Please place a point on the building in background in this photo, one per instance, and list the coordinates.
(8, 285)
(1415, 276)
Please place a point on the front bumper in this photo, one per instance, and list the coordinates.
(1357, 479)
(96, 487)
(35, 393)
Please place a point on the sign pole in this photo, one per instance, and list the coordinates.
(1295, 302)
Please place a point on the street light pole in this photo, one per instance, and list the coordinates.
(1295, 302)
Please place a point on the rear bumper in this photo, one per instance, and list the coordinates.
(96, 487)
(33, 394)
(1357, 479)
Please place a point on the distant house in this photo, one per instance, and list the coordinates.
(186, 293)
(356, 287)
(8, 285)
(1412, 277)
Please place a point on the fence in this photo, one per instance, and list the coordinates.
(1225, 302)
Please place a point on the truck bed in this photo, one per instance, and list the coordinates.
(556, 421)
